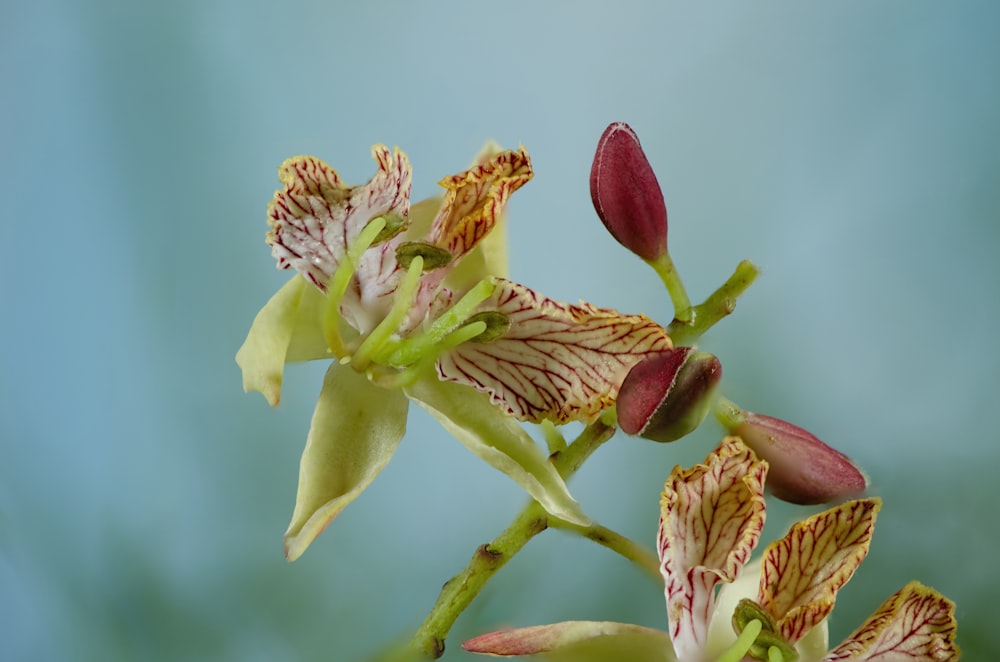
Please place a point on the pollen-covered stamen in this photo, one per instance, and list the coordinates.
(428, 343)
(379, 336)
(434, 257)
(337, 285)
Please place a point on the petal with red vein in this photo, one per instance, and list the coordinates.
(803, 571)
(915, 623)
(711, 517)
(547, 638)
(556, 361)
(475, 200)
(316, 216)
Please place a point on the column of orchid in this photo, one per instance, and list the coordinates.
(411, 303)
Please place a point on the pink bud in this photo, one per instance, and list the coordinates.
(804, 470)
(668, 395)
(626, 194)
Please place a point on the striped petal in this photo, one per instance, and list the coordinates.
(555, 361)
(711, 517)
(803, 571)
(475, 199)
(915, 623)
(316, 216)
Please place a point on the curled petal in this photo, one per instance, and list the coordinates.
(711, 517)
(915, 623)
(316, 216)
(548, 638)
(287, 328)
(355, 430)
(803, 571)
(475, 200)
(556, 361)
(497, 439)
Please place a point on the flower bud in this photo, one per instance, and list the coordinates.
(626, 194)
(803, 469)
(667, 396)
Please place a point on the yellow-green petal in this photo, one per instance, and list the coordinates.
(287, 328)
(355, 430)
(498, 439)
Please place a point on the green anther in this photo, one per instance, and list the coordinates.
(406, 292)
(774, 655)
(394, 224)
(435, 257)
(497, 324)
(747, 612)
(411, 350)
(739, 650)
(337, 285)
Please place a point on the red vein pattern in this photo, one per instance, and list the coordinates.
(915, 623)
(475, 199)
(711, 518)
(316, 216)
(557, 361)
(802, 572)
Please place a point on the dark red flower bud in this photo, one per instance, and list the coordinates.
(803, 469)
(626, 194)
(668, 395)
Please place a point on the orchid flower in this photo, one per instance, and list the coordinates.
(775, 608)
(411, 303)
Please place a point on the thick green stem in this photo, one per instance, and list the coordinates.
(461, 590)
(664, 267)
(719, 304)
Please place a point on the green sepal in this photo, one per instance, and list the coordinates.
(499, 440)
(287, 328)
(355, 430)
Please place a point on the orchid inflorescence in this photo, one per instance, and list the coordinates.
(411, 302)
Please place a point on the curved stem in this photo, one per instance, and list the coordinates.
(428, 641)
(617, 543)
(719, 304)
(664, 267)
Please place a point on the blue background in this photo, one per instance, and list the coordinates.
(851, 149)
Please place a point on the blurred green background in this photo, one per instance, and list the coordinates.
(851, 149)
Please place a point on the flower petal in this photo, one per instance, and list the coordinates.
(547, 638)
(711, 517)
(803, 571)
(915, 623)
(721, 635)
(316, 216)
(500, 441)
(355, 430)
(475, 200)
(287, 328)
(556, 361)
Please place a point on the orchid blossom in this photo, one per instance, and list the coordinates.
(775, 608)
(411, 303)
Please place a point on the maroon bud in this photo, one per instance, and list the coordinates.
(803, 469)
(668, 395)
(626, 194)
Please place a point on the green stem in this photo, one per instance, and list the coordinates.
(459, 592)
(664, 267)
(617, 543)
(719, 304)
